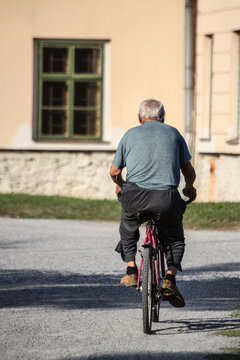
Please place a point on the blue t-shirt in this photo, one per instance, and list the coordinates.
(152, 154)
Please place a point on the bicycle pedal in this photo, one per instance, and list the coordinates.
(168, 297)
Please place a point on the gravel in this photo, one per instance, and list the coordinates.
(60, 296)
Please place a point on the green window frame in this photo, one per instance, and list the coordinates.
(70, 90)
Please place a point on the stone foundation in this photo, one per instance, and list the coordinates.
(86, 174)
(218, 177)
(77, 174)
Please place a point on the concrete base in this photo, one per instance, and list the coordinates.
(77, 174)
(217, 177)
(86, 175)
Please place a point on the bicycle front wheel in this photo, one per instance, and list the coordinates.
(147, 289)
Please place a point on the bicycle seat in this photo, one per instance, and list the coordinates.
(145, 216)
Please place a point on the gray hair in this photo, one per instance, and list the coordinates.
(151, 108)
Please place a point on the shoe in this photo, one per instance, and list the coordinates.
(129, 280)
(170, 292)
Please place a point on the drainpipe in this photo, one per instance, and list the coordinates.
(190, 31)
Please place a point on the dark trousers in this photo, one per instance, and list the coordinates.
(171, 208)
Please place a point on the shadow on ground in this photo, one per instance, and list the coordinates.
(11, 244)
(157, 356)
(227, 267)
(76, 291)
(219, 289)
(186, 326)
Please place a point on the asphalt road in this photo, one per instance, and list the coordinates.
(60, 296)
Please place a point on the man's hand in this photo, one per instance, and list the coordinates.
(189, 176)
(116, 175)
(118, 188)
(190, 192)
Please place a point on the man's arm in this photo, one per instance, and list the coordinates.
(116, 175)
(189, 176)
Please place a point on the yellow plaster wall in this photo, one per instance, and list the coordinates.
(146, 57)
(216, 161)
(221, 19)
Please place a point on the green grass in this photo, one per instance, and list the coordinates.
(57, 207)
(230, 356)
(197, 216)
(224, 215)
(236, 314)
(229, 332)
(233, 351)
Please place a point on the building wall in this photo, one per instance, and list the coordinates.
(217, 93)
(144, 58)
(218, 177)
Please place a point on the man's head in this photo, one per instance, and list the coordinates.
(151, 109)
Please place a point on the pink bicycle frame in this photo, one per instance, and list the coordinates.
(149, 238)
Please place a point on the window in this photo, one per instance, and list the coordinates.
(70, 89)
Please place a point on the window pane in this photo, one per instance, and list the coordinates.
(86, 123)
(54, 93)
(87, 94)
(54, 122)
(87, 61)
(55, 60)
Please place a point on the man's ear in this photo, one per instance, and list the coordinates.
(140, 120)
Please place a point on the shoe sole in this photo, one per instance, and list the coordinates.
(168, 292)
(172, 297)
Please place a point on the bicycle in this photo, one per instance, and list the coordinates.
(152, 266)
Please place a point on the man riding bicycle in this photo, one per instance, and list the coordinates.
(153, 154)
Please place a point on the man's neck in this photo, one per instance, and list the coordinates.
(151, 119)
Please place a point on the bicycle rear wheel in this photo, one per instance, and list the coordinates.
(147, 289)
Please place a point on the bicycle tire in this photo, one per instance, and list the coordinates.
(147, 295)
(156, 306)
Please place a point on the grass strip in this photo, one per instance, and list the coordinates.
(197, 216)
(221, 216)
(58, 207)
(229, 332)
(236, 314)
(230, 356)
(233, 351)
